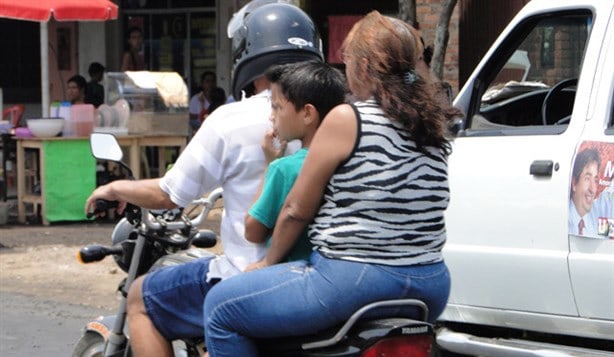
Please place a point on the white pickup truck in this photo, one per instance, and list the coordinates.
(531, 218)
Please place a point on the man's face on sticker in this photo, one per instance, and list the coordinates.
(585, 188)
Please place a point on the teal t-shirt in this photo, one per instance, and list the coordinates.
(278, 181)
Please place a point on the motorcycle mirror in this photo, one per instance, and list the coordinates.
(105, 147)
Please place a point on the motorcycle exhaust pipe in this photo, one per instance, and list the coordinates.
(94, 253)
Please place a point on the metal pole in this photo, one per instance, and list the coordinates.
(44, 37)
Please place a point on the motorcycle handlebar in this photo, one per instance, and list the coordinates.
(102, 206)
(207, 202)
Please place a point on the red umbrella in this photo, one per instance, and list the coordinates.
(61, 10)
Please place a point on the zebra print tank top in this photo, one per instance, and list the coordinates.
(385, 204)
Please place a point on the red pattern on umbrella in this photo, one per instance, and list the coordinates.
(61, 10)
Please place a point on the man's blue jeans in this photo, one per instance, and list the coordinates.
(304, 297)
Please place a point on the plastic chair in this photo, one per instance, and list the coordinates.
(14, 114)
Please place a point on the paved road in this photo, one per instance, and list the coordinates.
(29, 326)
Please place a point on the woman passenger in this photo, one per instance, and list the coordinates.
(373, 190)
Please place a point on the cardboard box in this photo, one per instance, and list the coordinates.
(150, 123)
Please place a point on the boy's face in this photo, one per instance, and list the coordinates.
(135, 39)
(208, 83)
(287, 122)
(96, 77)
(73, 92)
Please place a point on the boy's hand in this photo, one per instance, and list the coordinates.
(271, 149)
(257, 265)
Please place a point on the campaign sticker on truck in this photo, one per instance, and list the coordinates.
(591, 195)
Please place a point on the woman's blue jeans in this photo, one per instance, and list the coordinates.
(304, 297)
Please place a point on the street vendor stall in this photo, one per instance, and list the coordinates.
(60, 10)
(60, 173)
(146, 111)
(145, 103)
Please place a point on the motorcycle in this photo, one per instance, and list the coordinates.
(144, 240)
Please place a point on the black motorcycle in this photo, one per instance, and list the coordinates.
(144, 240)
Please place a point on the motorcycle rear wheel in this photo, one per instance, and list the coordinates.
(90, 344)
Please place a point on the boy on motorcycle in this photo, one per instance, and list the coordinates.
(168, 304)
(301, 96)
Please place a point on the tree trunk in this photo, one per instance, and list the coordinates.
(442, 35)
(407, 12)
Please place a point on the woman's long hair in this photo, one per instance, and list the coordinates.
(392, 49)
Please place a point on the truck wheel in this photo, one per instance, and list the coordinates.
(90, 344)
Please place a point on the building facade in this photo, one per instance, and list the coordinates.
(189, 37)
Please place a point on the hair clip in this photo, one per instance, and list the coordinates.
(409, 77)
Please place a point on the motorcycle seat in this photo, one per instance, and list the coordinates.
(358, 338)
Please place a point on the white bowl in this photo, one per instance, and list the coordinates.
(45, 127)
(106, 116)
(122, 109)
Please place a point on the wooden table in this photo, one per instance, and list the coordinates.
(134, 144)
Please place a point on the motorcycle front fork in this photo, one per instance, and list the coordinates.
(117, 344)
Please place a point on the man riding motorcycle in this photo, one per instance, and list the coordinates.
(167, 304)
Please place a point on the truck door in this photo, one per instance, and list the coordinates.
(525, 111)
(591, 259)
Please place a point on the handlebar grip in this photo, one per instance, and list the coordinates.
(102, 206)
(94, 253)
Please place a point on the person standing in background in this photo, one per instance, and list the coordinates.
(200, 102)
(133, 59)
(218, 97)
(75, 90)
(94, 91)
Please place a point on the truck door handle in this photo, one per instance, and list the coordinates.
(541, 168)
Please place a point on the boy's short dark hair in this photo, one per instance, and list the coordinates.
(310, 82)
(95, 68)
(79, 80)
(208, 73)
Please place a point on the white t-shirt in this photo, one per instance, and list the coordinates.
(226, 152)
(196, 105)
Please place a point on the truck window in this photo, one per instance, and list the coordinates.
(529, 86)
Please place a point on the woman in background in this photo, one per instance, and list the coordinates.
(133, 59)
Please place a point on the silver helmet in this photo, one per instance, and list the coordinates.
(266, 33)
